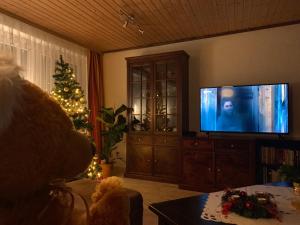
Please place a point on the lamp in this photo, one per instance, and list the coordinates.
(141, 30)
(129, 19)
(125, 23)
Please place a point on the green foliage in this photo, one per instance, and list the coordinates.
(115, 125)
(289, 173)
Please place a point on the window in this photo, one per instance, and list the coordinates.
(36, 52)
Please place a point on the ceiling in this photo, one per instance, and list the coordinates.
(97, 24)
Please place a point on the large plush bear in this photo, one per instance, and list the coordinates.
(39, 148)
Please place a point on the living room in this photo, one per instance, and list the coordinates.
(149, 64)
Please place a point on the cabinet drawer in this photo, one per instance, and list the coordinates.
(166, 140)
(139, 139)
(234, 145)
(198, 144)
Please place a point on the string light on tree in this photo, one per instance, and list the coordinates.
(94, 169)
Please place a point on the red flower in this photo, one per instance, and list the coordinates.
(249, 205)
(243, 194)
(226, 208)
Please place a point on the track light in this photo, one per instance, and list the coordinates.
(141, 30)
(125, 23)
(129, 19)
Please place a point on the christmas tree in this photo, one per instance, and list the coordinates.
(68, 93)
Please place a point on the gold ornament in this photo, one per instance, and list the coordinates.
(66, 89)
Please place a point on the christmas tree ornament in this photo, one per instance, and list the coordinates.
(249, 205)
(243, 194)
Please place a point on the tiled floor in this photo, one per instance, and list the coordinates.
(155, 192)
(151, 192)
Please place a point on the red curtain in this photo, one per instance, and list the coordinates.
(95, 95)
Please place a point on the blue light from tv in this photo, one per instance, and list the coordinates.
(259, 108)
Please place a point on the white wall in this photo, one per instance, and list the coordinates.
(264, 56)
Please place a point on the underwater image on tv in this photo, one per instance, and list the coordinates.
(255, 108)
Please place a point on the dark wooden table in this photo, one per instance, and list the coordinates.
(186, 211)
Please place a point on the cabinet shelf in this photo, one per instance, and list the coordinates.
(172, 79)
(271, 154)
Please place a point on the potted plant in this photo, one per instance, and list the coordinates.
(290, 174)
(115, 125)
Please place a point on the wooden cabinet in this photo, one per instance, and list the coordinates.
(158, 94)
(215, 164)
(140, 157)
(197, 168)
(166, 161)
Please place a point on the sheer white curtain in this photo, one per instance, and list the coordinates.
(37, 51)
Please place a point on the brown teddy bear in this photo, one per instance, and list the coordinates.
(38, 149)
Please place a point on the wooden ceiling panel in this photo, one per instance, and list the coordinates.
(97, 24)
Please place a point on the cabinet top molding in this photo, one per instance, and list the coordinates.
(157, 55)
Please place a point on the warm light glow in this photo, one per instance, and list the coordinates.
(227, 92)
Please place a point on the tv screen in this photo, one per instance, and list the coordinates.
(253, 108)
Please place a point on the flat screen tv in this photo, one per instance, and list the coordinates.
(245, 109)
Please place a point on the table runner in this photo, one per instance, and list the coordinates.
(283, 196)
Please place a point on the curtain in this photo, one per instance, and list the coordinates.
(95, 95)
(37, 51)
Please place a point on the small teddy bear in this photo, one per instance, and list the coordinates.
(39, 148)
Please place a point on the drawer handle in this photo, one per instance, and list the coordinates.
(148, 160)
(218, 170)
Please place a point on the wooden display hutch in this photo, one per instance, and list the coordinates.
(158, 94)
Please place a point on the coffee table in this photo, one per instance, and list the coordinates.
(186, 211)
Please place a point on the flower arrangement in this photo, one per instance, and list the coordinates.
(259, 205)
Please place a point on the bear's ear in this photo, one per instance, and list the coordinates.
(10, 90)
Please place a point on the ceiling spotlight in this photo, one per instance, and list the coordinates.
(141, 30)
(125, 23)
(129, 20)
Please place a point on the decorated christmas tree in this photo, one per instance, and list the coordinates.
(68, 93)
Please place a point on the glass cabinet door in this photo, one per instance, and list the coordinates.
(165, 99)
(140, 98)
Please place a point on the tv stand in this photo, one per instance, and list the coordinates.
(215, 163)
(281, 137)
